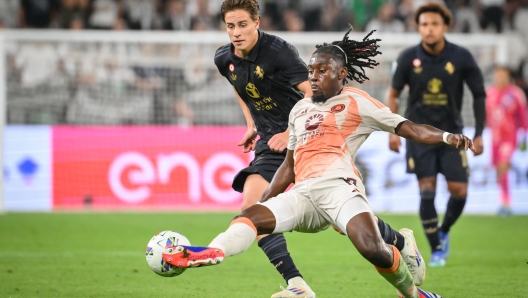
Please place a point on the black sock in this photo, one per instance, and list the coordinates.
(390, 236)
(455, 205)
(429, 218)
(274, 246)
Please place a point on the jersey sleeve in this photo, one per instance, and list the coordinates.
(475, 81)
(221, 63)
(521, 100)
(400, 72)
(293, 70)
(378, 117)
(292, 139)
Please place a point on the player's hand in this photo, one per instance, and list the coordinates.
(394, 143)
(477, 144)
(461, 141)
(249, 140)
(279, 142)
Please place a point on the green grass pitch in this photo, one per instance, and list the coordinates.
(103, 255)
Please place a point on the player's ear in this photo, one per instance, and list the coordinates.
(343, 71)
(257, 23)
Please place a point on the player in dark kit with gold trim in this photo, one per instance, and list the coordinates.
(435, 71)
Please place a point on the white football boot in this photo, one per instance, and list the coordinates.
(297, 287)
(412, 257)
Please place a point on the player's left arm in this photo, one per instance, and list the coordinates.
(429, 135)
(475, 82)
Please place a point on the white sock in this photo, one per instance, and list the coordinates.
(236, 239)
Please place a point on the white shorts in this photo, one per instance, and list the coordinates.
(314, 204)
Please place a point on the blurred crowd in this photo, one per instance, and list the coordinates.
(73, 82)
(276, 15)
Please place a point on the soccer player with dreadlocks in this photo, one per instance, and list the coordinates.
(269, 78)
(326, 131)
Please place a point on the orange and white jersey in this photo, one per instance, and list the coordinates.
(326, 136)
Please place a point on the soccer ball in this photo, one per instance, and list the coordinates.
(155, 248)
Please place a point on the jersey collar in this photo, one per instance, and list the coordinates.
(423, 55)
(254, 52)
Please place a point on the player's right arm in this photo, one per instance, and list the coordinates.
(248, 141)
(282, 179)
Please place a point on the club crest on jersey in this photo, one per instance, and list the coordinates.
(450, 68)
(313, 122)
(231, 67)
(259, 72)
(337, 108)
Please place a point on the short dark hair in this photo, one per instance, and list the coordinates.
(353, 54)
(251, 6)
(436, 8)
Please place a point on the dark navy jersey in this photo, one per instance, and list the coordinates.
(436, 86)
(265, 80)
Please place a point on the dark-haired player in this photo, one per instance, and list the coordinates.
(435, 71)
(325, 133)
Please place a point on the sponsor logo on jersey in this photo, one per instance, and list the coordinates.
(313, 122)
(259, 72)
(252, 91)
(450, 68)
(434, 85)
(304, 111)
(337, 108)
(231, 67)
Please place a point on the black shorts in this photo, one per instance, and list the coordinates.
(428, 161)
(264, 164)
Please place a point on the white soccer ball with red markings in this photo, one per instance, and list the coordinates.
(155, 248)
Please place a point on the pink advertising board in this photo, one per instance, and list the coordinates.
(150, 168)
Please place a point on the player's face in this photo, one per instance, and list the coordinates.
(501, 77)
(325, 76)
(431, 27)
(242, 30)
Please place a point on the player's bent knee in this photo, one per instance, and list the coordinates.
(261, 217)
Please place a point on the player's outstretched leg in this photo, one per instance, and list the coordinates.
(362, 231)
(405, 243)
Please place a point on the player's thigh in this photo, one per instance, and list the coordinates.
(454, 164)
(294, 211)
(254, 187)
(422, 160)
(339, 199)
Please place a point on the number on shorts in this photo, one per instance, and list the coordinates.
(464, 158)
(350, 181)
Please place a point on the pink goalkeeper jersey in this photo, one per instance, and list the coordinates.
(506, 112)
(326, 136)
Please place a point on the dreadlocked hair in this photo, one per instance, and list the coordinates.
(358, 54)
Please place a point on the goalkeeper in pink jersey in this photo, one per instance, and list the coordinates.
(506, 113)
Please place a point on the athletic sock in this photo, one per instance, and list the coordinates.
(429, 218)
(505, 190)
(237, 238)
(274, 246)
(390, 236)
(455, 206)
(399, 276)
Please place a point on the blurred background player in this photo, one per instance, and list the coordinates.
(269, 78)
(506, 114)
(435, 71)
(325, 133)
